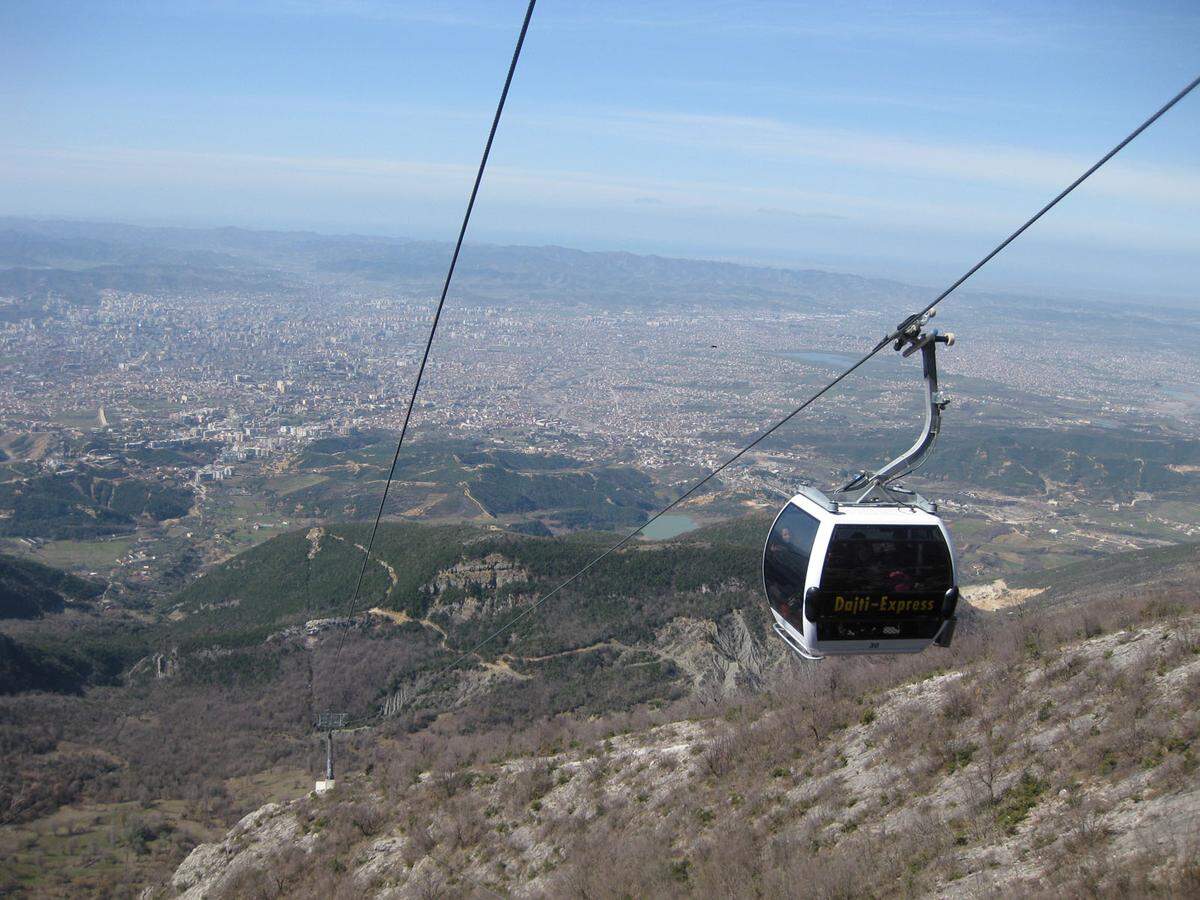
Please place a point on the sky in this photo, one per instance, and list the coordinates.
(897, 140)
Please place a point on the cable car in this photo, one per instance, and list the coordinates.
(870, 568)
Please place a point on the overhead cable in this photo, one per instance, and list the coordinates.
(462, 233)
(528, 610)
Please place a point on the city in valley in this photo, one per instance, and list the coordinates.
(263, 396)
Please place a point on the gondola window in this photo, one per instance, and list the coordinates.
(878, 560)
(786, 561)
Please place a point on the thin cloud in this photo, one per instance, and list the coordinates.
(990, 164)
(871, 23)
(776, 212)
(507, 185)
(444, 14)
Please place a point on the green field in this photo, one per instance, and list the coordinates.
(290, 484)
(76, 555)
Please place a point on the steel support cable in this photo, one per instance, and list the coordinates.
(1074, 184)
(824, 390)
(462, 233)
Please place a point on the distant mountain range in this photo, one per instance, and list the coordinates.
(77, 260)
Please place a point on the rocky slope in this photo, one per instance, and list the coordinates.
(661, 621)
(723, 754)
(1058, 756)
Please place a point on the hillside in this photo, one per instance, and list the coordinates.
(1160, 570)
(1040, 762)
(211, 715)
(172, 730)
(462, 479)
(1020, 461)
(658, 621)
(29, 590)
(85, 502)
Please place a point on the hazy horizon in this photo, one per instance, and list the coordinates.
(1064, 293)
(766, 133)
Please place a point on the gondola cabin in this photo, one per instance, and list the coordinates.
(845, 579)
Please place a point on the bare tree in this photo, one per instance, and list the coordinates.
(989, 761)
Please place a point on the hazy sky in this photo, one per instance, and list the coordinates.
(889, 139)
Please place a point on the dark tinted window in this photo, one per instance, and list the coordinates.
(887, 559)
(875, 630)
(785, 561)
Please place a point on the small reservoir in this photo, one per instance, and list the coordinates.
(668, 527)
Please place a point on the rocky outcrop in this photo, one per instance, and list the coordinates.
(491, 572)
(311, 631)
(254, 843)
(997, 595)
(166, 665)
(314, 538)
(478, 580)
(157, 665)
(719, 657)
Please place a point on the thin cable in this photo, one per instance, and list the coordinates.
(462, 233)
(771, 430)
(1074, 184)
(662, 512)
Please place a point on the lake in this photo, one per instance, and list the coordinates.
(669, 527)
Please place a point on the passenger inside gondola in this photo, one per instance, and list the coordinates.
(785, 562)
(887, 560)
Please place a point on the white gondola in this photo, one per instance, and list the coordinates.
(870, 568)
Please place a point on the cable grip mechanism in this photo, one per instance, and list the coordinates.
(910, 337)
